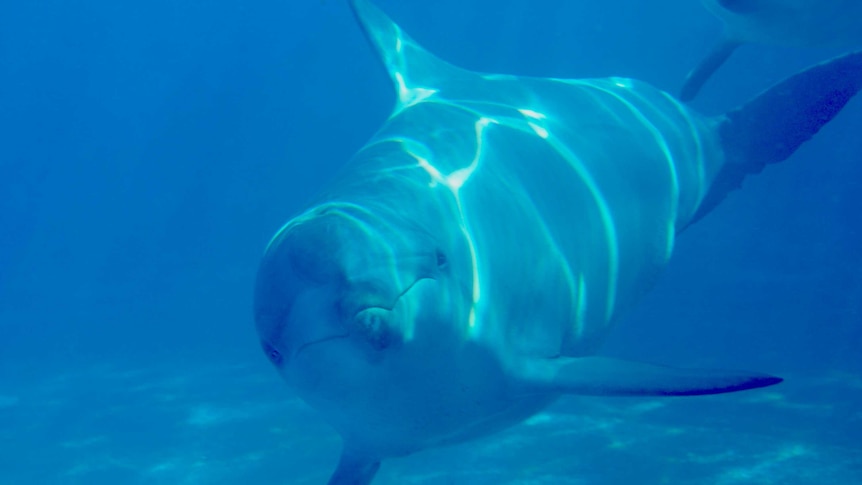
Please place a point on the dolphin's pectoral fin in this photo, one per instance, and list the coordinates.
(706, 68)
(354, 469)
(602, 376)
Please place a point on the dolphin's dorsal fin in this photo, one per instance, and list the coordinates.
(416, 73)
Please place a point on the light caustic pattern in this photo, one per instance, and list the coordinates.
(453, 182)
(532, 122)
(536, 123)
(410, 94)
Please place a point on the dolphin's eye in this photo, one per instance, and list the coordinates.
(442, 260)
(272, 353)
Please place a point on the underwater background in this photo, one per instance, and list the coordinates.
(149, 150)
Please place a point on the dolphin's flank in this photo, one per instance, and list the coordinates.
(463, 269)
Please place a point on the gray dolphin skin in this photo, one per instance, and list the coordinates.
(461, 271)
(791, 23)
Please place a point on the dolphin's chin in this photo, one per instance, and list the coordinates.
(377, 326)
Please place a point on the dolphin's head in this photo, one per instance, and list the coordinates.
(344, 297)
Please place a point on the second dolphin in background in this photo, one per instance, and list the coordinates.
(792, 23)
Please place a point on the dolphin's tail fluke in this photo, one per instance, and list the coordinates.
(770, 127)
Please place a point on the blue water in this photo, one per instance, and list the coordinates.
(148, 151)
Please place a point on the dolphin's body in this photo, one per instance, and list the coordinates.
(458, 274)
(791, 23)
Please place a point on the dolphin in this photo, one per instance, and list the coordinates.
(461, 272)
(791, 23)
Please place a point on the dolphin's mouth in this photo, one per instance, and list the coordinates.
(376, 324)
(320, 341)
(391, 305)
